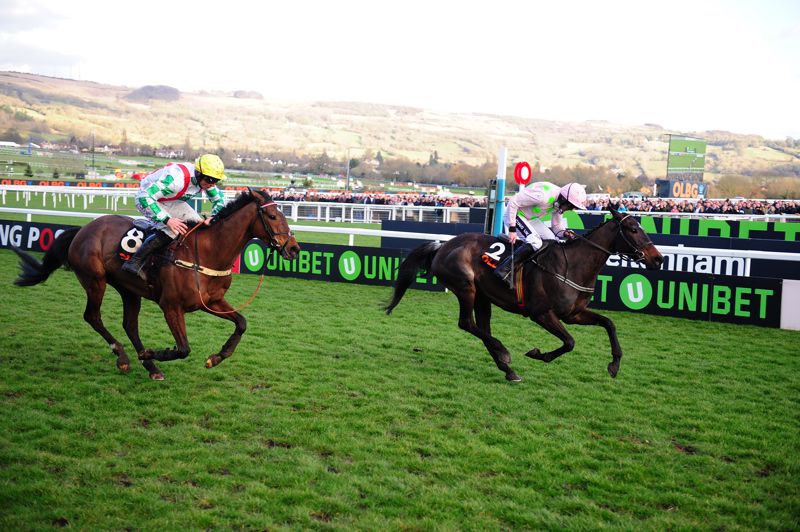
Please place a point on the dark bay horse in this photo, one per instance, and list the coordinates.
(558, 286)
(92, 252)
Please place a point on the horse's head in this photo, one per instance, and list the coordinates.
(632, 241)
(271, 225)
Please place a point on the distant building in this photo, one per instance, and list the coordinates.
(169, 153)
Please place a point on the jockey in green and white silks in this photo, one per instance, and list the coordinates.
(164, 197)
(166, 193)
(524, 214)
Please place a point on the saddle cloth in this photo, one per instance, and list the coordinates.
(132, 240)
(499, 250)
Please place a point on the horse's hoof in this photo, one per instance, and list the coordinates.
(534, 354)
(157, 376)
(147, 354)
(513, 377)
(124, 367)
(613, 369)
(213, 360)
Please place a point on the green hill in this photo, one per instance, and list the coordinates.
(53, 108)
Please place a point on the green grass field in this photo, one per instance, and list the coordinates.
(333, 416)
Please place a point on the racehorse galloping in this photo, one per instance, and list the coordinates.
(558, 287)
(92, 253)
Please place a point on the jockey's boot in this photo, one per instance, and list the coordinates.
(505, 270)
(151, 244)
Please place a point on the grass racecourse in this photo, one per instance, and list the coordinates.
(334, 416)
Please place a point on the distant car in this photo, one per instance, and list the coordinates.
(634, 195)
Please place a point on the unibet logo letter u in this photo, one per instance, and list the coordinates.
(635, 291)
(349, 265)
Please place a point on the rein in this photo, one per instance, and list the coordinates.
(198, 269)
(571, 284)
(637, 255)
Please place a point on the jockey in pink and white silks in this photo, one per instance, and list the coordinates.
(523, 219)
(164, 196)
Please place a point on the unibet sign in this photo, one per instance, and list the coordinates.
(744, 229)
(360, 265)
(716, 298)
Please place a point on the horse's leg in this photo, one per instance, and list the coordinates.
(224, 310)
(587, 317)
(483, 319)
(95, 286)
(553, 325)
(466, 300)
(131, 305)
(177, 325)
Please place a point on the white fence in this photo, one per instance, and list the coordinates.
(352, 231)
(116, 198)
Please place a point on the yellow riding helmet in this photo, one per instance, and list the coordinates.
(210, 165)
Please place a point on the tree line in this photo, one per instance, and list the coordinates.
(376, 166)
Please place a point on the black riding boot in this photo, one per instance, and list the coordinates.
(151, 244)
(505, 270)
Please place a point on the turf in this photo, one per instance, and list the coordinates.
(333, 416)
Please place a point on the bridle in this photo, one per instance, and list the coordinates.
(637, 255)
(273, 240)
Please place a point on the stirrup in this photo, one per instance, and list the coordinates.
(508, 278)
(501, 275)
(138, 271)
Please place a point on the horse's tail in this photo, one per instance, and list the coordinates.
(420, 258)
(34, 272)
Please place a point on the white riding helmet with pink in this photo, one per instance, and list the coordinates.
(575, 193)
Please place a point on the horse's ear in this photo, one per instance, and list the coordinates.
(613, 210)
(266, 194)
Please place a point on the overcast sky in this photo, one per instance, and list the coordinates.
(685, 65)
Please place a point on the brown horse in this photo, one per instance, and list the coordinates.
(557, 283)
(92, 252)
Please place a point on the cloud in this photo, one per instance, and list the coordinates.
(22, 57)
(622, 60)
(17, 16)
(20, 50)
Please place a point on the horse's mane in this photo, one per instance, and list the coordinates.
(590, 231)
(238, 202)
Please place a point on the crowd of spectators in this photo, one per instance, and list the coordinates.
(727, 206)
(424, 200)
